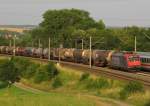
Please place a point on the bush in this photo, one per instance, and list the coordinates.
(51, 70)
(131, 87)
(84, 76)
(97, 83)
(31, 70)
(9, 72)
(21, 64)
(41, 75)
(3, 84)
(56, 82)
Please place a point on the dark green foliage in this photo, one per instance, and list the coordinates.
(51, 69)
(4, 34)
(101, 25)
(45, 72)
(21, 64)
(97, 83)
(147, 104)
(41, 75)
(84, 76)
(25, 40)
(60, 24)
(56, 82)
(59, 20)
(3, 41)
(3, 84)
(131, 87)
(31, 70)
(9, 72)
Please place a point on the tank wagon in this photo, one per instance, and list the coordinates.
(20, 51)
(3, 49)
(28, 51)
(99, 57)
(86, 56)
(77, 55)
(38, 52)
(69, 54)
(8, 50)
(45, 53)
(58, 53)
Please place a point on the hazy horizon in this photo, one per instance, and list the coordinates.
(113, 12)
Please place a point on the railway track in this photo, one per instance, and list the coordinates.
(111, 73)
(144, 73)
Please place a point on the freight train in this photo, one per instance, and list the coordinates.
(102, 58)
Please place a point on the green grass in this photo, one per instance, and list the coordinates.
(69, 88)
(16, 97)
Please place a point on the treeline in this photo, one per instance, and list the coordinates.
(6, 32)
(70, 26)
(5, 35)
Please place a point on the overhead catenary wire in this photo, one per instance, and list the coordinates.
(147, 36)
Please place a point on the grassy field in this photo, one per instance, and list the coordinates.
(16, 97)
(75, 88)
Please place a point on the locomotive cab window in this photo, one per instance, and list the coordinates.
(132, 58)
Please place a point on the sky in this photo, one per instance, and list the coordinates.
(113, 12)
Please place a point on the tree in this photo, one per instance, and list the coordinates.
(57, 21)
(9, 73)
(101, 25)
(66, 26)
(3, 41)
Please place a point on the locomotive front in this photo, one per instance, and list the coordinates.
(133, 61)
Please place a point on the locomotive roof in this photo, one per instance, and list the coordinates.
(118, 54)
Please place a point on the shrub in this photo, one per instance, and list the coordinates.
(56, 82)
(131, 87)
(21, 64)
(41, 75)
(9, 72)
(3, 84)
(84, 76)
(97, 83)
(31, 70)
(102, 83)
(51, 70)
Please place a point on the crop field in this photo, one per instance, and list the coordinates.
(20, 30)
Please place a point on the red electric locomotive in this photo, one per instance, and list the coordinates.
(125, 61)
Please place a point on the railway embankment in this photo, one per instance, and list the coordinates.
(57, 78)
